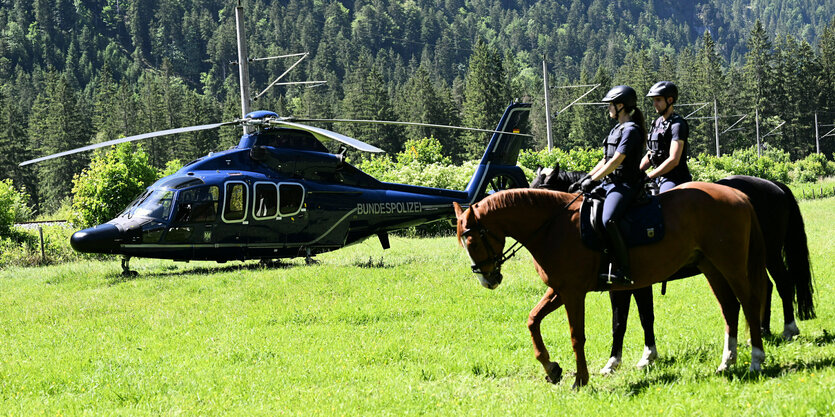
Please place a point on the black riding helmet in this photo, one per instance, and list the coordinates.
(622, 94)
(664, 89)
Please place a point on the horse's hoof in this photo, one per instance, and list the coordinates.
(790, 331)
(554, 374)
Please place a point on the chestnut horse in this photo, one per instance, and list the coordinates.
(787, 257)
(709, 226)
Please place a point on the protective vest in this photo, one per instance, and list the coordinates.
(659, 143)
(629, 170)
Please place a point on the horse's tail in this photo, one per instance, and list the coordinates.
(757, 275)
(796, 252)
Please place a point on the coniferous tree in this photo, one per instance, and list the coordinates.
(60, 121)
(13, 139)
(759, 71)
(366, 98)
(425, 100)
(709, 87)
(485, 96)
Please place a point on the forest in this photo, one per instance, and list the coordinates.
(75, 72)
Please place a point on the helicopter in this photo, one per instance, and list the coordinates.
(281, 194)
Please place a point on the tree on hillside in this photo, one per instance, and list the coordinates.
(13, 139)
(759, 73)
(59, 121)
(710, 86)
(425, 100)
(366, 97)
(485, 96)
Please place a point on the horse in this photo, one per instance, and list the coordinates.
(784, 233)
(710, 226)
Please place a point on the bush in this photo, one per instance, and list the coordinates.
(811, 168)
(109, 184)
(772, 165)
(13, 206)
(574, 160)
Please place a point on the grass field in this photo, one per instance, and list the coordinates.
(370, 332)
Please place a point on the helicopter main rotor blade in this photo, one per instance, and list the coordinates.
(358, 144)
(130, 139)
(394, 122)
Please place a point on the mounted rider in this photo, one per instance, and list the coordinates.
(620, 171)
(667, 144)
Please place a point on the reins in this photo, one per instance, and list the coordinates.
(498, 260)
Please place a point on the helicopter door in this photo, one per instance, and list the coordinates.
(196, 215)
(263, 229)
(231, 232)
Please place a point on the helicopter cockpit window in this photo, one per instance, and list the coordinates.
(266, 201)
(235, 202)
(157, 205)
(198, 205)
(291, 198)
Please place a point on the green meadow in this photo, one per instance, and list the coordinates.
(405, 331)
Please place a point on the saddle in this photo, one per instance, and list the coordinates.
(642, 223)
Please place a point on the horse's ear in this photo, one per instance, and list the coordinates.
(457, 208)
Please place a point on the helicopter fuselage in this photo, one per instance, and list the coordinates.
(281, 194)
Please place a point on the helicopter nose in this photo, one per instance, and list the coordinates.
(103, 238)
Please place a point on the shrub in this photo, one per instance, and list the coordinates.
(109, 184)
(13, 206)
(574, 160)
(811, 168)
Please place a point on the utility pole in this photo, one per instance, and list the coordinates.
(547, 106)
(817, 134)
(757, 123)
(243, 64)
(716, 126)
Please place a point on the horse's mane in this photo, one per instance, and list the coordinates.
(538, 199)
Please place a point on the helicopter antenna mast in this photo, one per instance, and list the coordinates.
(243, 64)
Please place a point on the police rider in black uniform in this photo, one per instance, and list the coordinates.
(620, 167)
(668, 140)
(668, 155)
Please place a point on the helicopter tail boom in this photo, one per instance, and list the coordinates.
(497, 169)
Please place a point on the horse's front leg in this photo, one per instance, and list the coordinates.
(549, 302)
(575, 308)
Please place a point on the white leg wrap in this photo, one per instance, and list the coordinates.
(729, 355)
(757, 359)
(650, 355)
(790, 330)
(611, 366)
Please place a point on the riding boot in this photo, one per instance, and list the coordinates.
(619, 254)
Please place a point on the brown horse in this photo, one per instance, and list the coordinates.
(709, 226)
(787, 260)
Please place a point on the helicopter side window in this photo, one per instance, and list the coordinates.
(291, 198)
(235, 202)
(265, 205)
(198, 205)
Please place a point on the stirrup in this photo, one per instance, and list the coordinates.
(616, 277)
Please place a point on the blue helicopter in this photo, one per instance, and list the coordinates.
(281, 194)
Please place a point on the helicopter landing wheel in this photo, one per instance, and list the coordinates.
(308, 259)
(499, 183)
(126, 272)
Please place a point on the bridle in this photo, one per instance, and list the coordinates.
(494, 277)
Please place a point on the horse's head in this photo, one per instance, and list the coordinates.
(483, 247)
